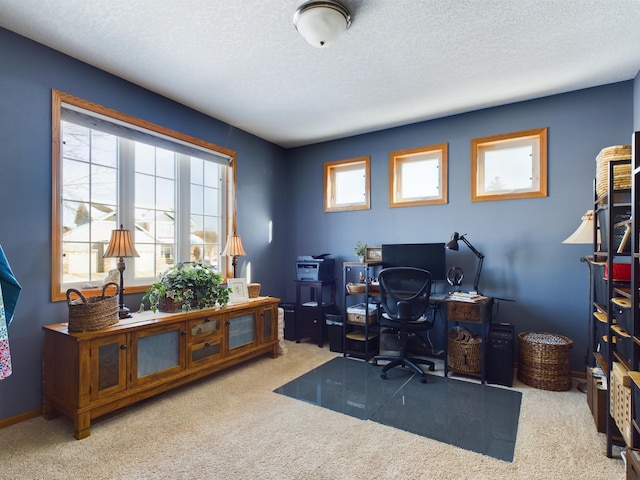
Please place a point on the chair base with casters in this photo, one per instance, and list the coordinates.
(403, 360)
(404, 302)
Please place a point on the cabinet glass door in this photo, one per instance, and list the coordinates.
(241, 331)
(268, 325)
(108, 365)
(158, 352)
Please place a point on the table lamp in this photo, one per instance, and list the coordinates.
(234, 249)
(453, 245)
(121, 247)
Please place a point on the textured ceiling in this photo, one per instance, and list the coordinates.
(401, 61)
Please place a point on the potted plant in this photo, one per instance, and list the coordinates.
(185, 286)
(360, 250)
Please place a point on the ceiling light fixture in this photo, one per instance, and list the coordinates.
(321, 22)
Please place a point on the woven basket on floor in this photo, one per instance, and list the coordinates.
(543, 361)
(92, 313)
(465, 357)
(621, 173)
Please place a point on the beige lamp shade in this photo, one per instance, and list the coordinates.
(234, 248)
(584, 232)
(121, 244)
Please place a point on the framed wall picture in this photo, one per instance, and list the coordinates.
(373, 254)
(239, 290)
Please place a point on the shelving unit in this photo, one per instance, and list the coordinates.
(314, 299)
(612, 328)
(634, 297)
(360, 340)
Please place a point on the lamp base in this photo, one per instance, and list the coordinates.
(124, 312)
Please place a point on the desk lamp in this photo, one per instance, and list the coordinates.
(234, 249)
(453, 245)
(121, 247)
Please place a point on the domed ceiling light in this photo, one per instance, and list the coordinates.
(321, 22)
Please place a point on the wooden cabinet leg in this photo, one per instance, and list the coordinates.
(82, 425)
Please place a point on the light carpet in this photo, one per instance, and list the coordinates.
(233, 426)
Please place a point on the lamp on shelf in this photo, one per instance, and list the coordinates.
(453, 245)
(121, 247)
(321, 22)
(584, 236)
(234, 249)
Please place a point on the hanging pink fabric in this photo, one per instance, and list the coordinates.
(5, 354)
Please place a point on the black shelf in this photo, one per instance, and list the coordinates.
(360, 340)
(615, 227)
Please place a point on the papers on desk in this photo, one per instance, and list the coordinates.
(465, 297)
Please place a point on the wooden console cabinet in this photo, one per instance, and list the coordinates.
(88, 374)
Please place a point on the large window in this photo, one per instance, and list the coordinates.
(172, 191)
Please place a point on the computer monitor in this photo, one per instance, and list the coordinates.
(429, 256)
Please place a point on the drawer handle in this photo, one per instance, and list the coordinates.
(123, 347)
(207, 344)
(206, 320)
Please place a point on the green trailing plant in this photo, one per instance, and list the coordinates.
(361, 249)
(195, 284)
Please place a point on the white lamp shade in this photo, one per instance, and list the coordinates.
(320, 23)
(584, 232)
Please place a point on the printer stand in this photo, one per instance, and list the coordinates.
(314, 299)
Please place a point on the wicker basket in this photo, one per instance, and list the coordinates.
(620, 400)
(463, 356)
(92, 313)
(355, 287)
(621, 173)
(169, 305)
(543, 361)
(254, 290)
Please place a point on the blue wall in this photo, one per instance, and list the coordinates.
(29, 71)
(525, 260)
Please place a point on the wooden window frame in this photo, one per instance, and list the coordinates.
(59, 98)
(331, 169)
(398, 159)
(537, 138)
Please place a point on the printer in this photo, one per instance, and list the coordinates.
(315, 268)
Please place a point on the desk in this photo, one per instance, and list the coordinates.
(478, 313)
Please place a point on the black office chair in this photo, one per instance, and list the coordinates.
(404, 298)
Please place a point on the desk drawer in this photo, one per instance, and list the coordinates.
(465, 312)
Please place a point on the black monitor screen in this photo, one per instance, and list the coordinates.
(429, 256)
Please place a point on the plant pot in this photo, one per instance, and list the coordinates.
(168, 305)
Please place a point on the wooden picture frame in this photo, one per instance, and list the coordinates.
(373, 254)
(239, 291)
